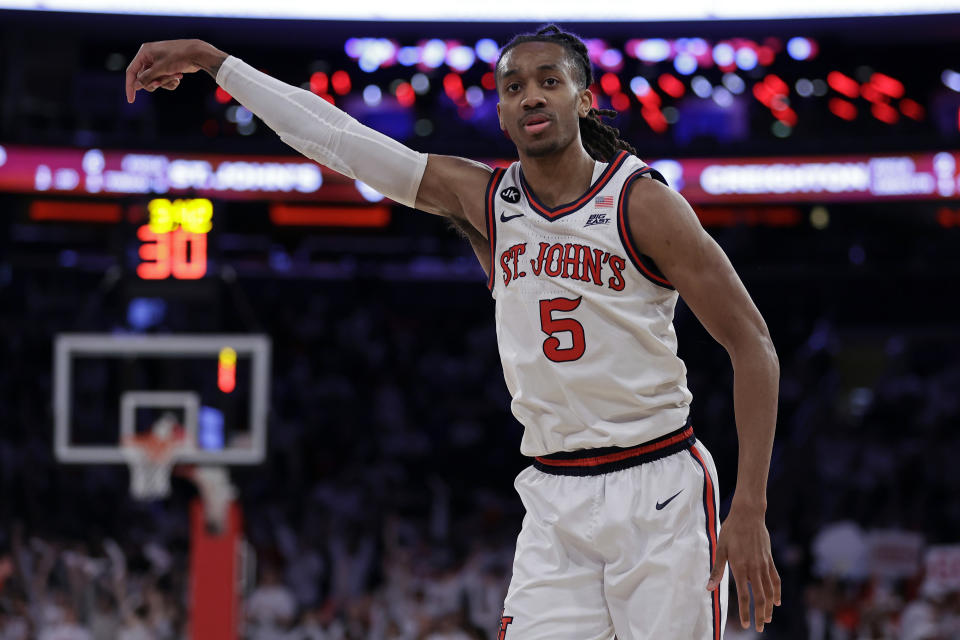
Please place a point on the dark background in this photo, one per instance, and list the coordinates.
(390, 428)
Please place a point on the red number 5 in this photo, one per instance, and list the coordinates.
(551, 325)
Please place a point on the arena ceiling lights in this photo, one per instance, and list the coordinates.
(498, 10)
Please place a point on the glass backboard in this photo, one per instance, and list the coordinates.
(110, 388)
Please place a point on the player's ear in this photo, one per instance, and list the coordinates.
(500, 118)
(585, 103)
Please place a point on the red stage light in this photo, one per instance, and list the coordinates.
(766, 56)
(453, 86)
(489, 81)
(870, 93)
(654, 118)
(912, 109)
(763, 93)
(610, 83)
(406, 96)
(773, 43)
(842, 109)
(787, 116)
(620, 101)
(671, 86)
(319, 82)
(887, 85)
(843, 84)
(341, 82)
(885, 113)
(776, 85)
(650, 99)
(222, 96)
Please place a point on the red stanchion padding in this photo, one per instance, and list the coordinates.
(214, 575)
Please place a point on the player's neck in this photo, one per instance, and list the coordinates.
(561, 177)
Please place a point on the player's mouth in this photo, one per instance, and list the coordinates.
(534, 124)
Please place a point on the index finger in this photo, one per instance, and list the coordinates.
(140, 62)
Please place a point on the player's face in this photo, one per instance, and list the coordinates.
(540, 98)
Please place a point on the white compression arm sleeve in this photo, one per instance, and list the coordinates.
(320, 131)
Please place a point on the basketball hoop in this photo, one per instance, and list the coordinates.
(203, 430)
(151, 456)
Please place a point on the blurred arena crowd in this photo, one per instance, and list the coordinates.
(386, 508)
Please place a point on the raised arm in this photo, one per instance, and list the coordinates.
(666, 229)
(442, 185)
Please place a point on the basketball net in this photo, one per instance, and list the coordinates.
(151, 456)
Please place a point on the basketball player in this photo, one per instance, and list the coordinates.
(586, 251)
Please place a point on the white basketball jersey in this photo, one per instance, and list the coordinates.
(584, 320)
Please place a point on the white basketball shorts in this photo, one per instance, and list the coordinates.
(618, 543)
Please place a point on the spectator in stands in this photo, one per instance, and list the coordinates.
(271, 608)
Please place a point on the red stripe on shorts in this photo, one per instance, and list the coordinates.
(711, 513)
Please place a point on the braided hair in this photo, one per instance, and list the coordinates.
(601, 141)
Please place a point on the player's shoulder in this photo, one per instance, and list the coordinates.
(644, 180)
(648, 194)
(629, 164)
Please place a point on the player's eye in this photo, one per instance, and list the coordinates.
(551, 82)
(513, 86)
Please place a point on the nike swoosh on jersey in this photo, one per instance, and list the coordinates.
(661, 505)
(504, 218)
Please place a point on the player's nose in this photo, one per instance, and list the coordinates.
(533, 100)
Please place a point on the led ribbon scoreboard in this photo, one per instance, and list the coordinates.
(180, 190)
(92, 172)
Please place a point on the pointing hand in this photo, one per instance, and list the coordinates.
(162, 64)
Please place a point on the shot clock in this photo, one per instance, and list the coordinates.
(174, 241)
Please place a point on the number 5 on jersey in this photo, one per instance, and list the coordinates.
(551, 326)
